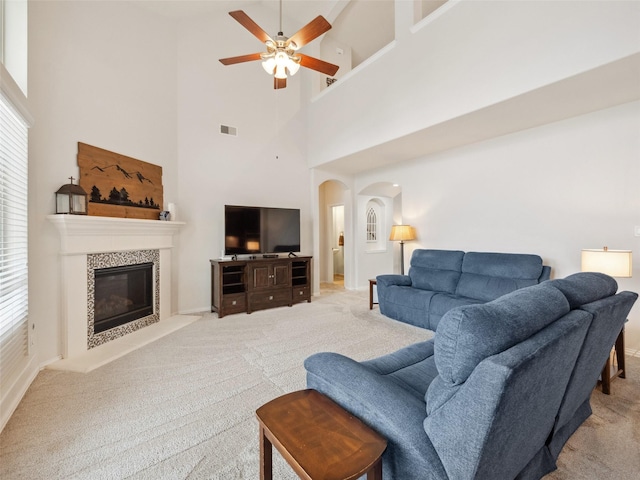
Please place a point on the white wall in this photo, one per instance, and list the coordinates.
(553, 191)
(120, 77)
(14, 41)
(468, 55)
(265, 165)
(102, 73)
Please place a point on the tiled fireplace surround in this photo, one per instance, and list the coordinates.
(118, 240)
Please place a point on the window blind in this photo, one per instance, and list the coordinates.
(13, 241)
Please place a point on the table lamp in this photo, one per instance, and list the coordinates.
(615, 263)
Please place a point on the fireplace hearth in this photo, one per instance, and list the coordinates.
(122, 295)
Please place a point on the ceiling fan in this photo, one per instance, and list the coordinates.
(281, 58)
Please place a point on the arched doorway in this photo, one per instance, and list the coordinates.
(333, 228)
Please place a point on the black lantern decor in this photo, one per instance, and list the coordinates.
(71, 199)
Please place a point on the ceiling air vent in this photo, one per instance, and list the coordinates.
(227, 130)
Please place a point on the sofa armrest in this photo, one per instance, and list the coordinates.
(375, 399)
(380, 403)
(393, 279)
(365, 393)
(546, 274)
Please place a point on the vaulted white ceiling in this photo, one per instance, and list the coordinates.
(364, 25)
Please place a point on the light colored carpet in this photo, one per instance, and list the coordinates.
(110, 351)
(183, 407)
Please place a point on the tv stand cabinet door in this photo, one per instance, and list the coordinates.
(265, 275)
(282, 275)
(260, 276)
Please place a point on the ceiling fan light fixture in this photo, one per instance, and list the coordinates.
(280, 71)
(293, 64)
(285, 64)
(269, 64)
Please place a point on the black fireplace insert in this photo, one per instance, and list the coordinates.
(122, 295)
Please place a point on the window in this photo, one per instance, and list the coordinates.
(13, 240)
(372, 225)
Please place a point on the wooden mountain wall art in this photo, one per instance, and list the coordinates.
(119, 186)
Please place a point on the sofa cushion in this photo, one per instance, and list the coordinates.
(467, 335)
(412, 367)
(585, 287)
(436, 270)
(487, 276)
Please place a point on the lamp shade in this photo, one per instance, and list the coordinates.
(616, 263)
(402, 233)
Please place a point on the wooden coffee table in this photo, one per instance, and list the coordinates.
(318, 438)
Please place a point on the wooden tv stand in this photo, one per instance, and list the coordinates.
(256, 284)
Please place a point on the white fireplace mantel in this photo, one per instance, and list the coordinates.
(81, 235)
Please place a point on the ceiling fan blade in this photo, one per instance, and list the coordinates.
(279, 83)
(240, 59)
(317, 64)
(244, 20)
(311, 30)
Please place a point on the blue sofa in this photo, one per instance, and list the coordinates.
(498, 390)
(439, 280)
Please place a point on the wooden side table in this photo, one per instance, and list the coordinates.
(372, 282)
(611, 371)
(318, 438)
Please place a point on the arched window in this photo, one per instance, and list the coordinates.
(372, 225)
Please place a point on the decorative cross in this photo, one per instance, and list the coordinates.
(71, 178)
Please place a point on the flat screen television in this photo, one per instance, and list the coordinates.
(261, 230)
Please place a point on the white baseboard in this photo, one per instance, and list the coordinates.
(194, 311)
(12, 397)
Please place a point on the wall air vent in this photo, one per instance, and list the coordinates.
(227, 130)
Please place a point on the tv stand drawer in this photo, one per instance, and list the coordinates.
(301, 294)
(234, 303)
(273, 298)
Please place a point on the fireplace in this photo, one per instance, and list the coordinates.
(91, 242)
(122, 295)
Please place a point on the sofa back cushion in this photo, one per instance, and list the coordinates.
(469, 334)
(585, 287)
(487, 276)
(436, 270)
